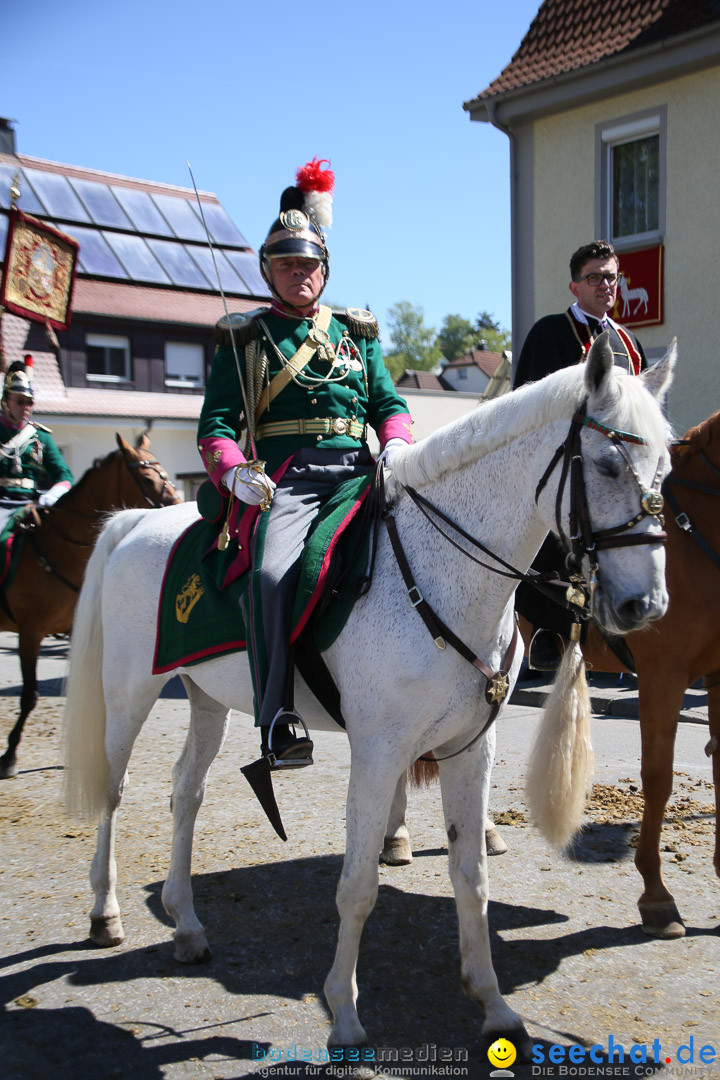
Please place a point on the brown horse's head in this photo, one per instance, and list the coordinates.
(147, 472)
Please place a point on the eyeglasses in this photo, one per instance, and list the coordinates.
(597, 279)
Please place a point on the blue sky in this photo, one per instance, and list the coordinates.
(248, 92)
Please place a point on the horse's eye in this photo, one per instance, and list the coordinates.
(608, 466)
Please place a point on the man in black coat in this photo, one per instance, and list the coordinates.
(554, 342)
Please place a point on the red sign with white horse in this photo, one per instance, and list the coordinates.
(640, 289)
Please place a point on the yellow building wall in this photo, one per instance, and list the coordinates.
(564, 217)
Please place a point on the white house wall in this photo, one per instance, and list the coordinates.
(82, 440)
(564, 215)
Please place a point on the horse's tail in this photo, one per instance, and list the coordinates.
(561, 762)
(423, 772)
(86, 766)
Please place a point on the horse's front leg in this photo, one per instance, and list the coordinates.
(370, 793)
(660, 703)
(208, 724)
(396, 845)
(28, 651)
(465, 783)
(713, 749)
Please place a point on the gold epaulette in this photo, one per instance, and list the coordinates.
(41, 427)
(244, 327)
(360, 323)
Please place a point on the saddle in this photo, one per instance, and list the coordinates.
(199, 618)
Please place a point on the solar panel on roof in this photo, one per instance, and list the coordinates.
(137, 258)
(178, 264)
(95, 256)
(181, 215)
(101, 204)
(56, 195)
(28, 200)
(142, 211)
(229, 279)
(246, 264)
(223, 229)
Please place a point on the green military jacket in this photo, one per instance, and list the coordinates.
(338, 393)
(29, 465)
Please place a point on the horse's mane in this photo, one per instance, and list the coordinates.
(493, 424)
(698, 438)
(79, 485)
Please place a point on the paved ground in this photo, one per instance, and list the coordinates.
(566, 944)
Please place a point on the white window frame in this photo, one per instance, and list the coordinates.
(613, 133)
(184, 380)
(109, 341)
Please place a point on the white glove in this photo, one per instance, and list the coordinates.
(391, 448)
(53, 494)
(247, 486)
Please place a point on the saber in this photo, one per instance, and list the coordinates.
(228, 320)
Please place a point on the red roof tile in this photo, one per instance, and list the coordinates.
(484, 359)
(569, 34)
(422, 380)
(115, 299)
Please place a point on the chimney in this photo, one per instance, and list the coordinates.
(7, 136)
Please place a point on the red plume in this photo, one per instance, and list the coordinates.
(312, 177)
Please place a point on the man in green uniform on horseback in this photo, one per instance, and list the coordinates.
(289, 397)
(32, 469)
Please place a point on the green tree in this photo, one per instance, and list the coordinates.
(457, 336)
(413, 343)
(490, 331)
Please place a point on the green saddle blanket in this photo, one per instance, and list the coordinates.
(11, 543)
(198, 620)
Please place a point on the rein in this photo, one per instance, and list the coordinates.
(581, 542)
(682, 519)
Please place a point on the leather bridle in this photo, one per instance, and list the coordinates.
(582, 542)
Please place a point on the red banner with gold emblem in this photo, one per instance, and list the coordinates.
(39, 271)
(640, 289)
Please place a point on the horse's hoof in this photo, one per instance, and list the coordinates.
(518, 1036)
(662, 920)
(8, 770)
(106, 931)
(494, 843)
(396, 851)
(192, 949)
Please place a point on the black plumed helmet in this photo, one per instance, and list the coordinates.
(304, 211)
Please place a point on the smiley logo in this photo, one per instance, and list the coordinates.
(502, 1053)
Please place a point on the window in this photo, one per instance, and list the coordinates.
(108, 358)
(632, 154)
(184, 364)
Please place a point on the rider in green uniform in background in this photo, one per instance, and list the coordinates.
(32, 469)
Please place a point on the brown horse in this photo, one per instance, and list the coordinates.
(55, 549)
(672, 653)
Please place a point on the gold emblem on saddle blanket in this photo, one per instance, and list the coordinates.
(188, 597)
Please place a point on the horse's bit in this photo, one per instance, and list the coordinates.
(582, 541)
(155, 466)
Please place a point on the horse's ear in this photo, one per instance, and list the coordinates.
(143, 441)
(599, 363)
(122, 445)
(658, 378)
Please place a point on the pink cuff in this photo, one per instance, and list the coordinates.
(398, 426)
(218, 455)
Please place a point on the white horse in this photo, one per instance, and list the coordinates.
(402, 696)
